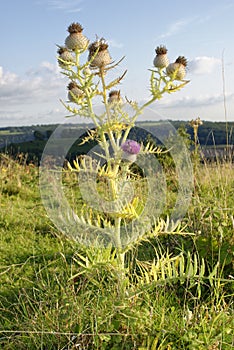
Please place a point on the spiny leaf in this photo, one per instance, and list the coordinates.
(116, 81)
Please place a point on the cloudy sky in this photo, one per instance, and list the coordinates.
(31, 84)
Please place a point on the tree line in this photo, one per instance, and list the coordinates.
(210, 134)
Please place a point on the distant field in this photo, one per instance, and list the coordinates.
(10, 133)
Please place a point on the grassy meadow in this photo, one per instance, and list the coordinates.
(178, 288)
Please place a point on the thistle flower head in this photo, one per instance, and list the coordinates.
(131, 147)
(87, 71)
(196, 123)
(74, 91)
(114, 97)
(182, 60)
(75, 28)
(62, 50)
(161, 50)
(161, 60)
(99, 54)
(72, 85)
(65, 58)
(76, 40)
(177, 69)
(98, 45)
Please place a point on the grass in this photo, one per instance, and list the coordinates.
(55, 294)
(9, 132)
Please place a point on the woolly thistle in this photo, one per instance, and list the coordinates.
(196, 123)
(74, 92)
(87, 71)
(76, 40)
(99, 54)
(65, 57)
(161, 60)
(115, 176)
(130, 150)
(178, 68)
(114, 97)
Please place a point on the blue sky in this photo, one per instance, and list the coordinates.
(30, 82)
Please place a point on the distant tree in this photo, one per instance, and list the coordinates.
(48, 133)
(38, 135)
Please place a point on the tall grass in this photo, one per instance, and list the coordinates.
(55, 294)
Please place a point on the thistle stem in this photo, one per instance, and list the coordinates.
(104, 94)
(117, 240)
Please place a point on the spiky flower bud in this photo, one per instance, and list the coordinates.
(87, 71)
(178, 68)
(99, 54)
(76, 39)
(65, 55)
(74, 91)
(196, 123)
(114, 97)
(161, 60)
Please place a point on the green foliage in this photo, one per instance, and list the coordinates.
(55, 294)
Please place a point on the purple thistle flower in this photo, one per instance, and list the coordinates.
(131, 147)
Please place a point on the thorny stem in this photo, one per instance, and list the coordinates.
(120, 255)
(104, 94)
(90, 108)
(156, 95)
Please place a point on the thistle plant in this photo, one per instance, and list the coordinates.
(123, 213)
(195, 124)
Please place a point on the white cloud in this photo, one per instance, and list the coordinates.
(198, 101)
(6, 78)
(34, 97)
(203, 65)
(38, 85)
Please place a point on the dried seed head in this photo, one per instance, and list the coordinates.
(75, 28)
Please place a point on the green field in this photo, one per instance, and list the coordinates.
(56, 294)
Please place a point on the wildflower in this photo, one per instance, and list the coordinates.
(86, 71)
(76, 39)
(74, 92)
(196, 123)
(130, 148)
(178, 68)
(114, 97)
(99, 54)
(161, 60)
(65, 55)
